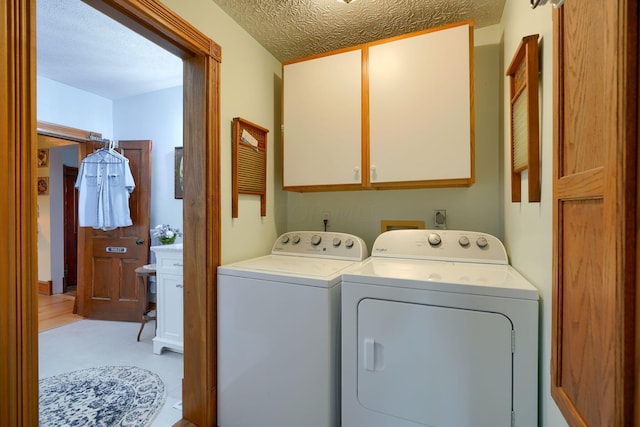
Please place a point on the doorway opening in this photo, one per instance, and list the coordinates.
(201, 198)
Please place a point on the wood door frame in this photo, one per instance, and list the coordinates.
(18, 205)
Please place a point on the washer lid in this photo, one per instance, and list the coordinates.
(457, 277)
(291, 269)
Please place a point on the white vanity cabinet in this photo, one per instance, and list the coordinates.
(395, 113)
(169, 303)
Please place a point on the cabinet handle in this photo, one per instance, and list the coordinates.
(177, 264)
(356, 173)
(374, 175)
(179, 286)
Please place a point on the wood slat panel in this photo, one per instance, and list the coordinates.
(249, 164)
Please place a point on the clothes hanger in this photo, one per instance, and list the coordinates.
(99, 156)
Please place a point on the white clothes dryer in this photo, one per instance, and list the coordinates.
(279, 332)
(438, 330)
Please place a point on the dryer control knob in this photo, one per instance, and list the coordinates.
(315, 240)
(348, 243)
(464, 241)
(336, 242)
(296, 239)
(434, 239)
(482, 242)
(285, 240)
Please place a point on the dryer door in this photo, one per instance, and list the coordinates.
(435, 366)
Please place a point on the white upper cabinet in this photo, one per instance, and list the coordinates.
(323, 121)
(420, 108)
(395, 113)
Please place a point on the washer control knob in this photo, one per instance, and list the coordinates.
(482, 242)
(315, 240)
(296, 239)
(285, 240)
(434, 239)
(336, 242)
(348, 243)
(464, 241)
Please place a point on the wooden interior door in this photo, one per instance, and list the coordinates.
(108, 288)
(70, 204)
(595, 184)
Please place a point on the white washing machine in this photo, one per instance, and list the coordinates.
(438, 330)
(279, 332)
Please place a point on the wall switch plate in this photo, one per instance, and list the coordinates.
(440, 218)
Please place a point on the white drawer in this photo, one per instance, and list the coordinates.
(169, 264)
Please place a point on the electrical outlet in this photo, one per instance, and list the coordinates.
(326, 216)
(440, 218)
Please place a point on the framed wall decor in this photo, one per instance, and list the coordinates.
(249, 163)
(388, 225)
(43, 157)
(525, 128)
(178, 174)
(43, 186)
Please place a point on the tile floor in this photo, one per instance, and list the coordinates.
(91, 343)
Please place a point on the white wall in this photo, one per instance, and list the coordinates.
(528, 226)
(475, 208)
(251, 89)
(156, 116)
(65, 105)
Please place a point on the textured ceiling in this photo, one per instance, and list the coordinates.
(292, 29)
(81, 47)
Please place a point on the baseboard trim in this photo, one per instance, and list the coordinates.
(45, 288)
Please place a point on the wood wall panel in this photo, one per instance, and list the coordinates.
(586, 313)
(585, 98)
(594, 366)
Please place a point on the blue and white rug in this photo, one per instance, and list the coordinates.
(102, 397)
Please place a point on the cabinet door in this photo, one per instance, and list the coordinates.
(323, 121)
(170, 313)
(420, 94)
(595, 213)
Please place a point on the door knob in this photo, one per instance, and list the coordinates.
(139, 241)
